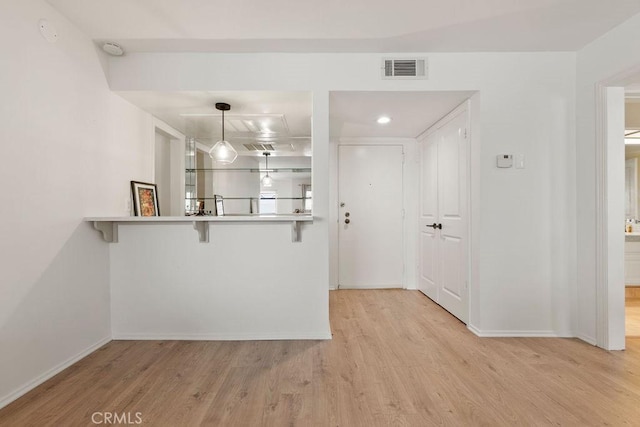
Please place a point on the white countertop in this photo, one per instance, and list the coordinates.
(206, 218)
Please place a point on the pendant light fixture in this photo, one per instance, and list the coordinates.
(222, 151)
(266, 181)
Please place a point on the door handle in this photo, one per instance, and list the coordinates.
(347, 221)
(434, 226)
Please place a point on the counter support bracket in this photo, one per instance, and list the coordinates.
(109, 230)
(295, 231)
(202, 227)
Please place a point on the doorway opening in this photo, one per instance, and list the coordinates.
(632, 217)
(612, 269)
(375, 187)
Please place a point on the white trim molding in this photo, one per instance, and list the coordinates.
(513, 333)
(601, 218)
(609, 217)
(223, 336)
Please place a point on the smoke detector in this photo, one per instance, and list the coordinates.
(113, 49)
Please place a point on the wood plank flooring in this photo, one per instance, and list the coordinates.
(632, 315)
(396, 359)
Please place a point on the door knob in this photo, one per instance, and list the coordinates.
(434, 225)
(347, 214)
(439, 226)
(347, 221)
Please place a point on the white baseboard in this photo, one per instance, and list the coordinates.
(587, 339)
(5, 400)
(280, 336)
(513, 334)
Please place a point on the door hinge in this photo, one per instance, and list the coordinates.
(465, 133)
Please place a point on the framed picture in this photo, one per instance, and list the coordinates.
(145, 199)
(219, 205)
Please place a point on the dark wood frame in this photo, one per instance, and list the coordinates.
(135, 185)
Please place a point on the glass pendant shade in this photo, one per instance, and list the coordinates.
(267, 181)
(223, 152)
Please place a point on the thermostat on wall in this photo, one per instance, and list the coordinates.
(504, 160)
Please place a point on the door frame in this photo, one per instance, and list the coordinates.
(408, 170)
(609, 115)
(465, 107)
(380, 143)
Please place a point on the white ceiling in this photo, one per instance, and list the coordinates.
(347, 26)
(194, 113)
(285, 116)
(354, 114)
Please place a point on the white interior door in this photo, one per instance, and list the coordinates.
(428, 239)
(370, 241)
(444, 242)
(452, 210)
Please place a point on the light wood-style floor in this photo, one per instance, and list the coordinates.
(632, 315)
(396, 359)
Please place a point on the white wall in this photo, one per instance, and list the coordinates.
(604, 59)
(525, 242)
(249, 282)
(68, 149)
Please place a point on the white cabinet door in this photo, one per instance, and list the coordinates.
(443, 270)
(370, 232)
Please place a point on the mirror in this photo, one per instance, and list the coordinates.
(239, 184)
(277, 123)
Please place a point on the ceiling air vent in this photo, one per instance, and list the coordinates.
(259, 147)
(408, 68)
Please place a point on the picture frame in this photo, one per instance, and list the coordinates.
(219, 202)
(145, 199)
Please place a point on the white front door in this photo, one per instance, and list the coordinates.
(443, 271)
(370, 193)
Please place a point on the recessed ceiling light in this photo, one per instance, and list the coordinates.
(383, 120)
